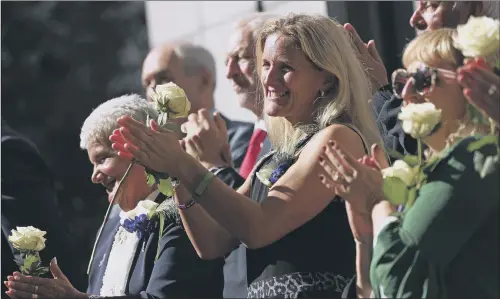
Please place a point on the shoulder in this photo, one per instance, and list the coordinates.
(476, 154)
(345, 137)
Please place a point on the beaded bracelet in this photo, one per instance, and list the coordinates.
(186, 206)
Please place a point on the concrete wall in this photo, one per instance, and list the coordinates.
(209, 23)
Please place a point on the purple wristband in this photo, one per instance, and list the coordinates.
(187, 205)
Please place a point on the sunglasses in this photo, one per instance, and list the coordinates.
(425, 79)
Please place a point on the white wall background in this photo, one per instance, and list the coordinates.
(208, 23)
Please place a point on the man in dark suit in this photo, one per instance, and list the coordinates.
(192, 68)
(29, 199)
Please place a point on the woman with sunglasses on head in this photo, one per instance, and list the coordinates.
(445, 245)
(297, 233)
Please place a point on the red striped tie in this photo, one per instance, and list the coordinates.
(254, 148)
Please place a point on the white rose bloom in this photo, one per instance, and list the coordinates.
(480, 36)
(28, 238)
(143, 207)
(400, 169)
(419, 119)
(172, 99)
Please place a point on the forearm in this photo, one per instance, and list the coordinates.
(236, 213)
(380, 213)
(363, 261)
(209, 239)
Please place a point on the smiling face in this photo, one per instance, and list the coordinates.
(291, 83)
(108, 171)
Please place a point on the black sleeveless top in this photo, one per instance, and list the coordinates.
(315, 260)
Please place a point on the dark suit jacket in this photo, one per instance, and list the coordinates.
(239, 136)
(178, 272)
(386, 108)
(235, 267)
(29, 198)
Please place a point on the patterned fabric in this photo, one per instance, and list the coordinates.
(299, 284)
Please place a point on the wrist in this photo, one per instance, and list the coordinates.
(380, 212)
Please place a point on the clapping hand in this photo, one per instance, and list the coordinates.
(21, 286)
(481, 87)
(358, 182)
(156, 148)
(207, 139)
(370, 58)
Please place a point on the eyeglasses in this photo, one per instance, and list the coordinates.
(425, 79)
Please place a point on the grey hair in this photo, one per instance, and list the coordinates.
(196, 57)
(102, 121)
(255, 22)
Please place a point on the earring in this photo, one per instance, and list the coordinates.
(321, 93)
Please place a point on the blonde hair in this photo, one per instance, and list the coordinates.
(328, 46)
(435, 47)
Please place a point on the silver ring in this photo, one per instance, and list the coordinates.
(492, 90)
(36, 289)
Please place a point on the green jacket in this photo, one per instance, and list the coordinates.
(446, 246)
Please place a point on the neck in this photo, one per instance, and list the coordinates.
(442, 138)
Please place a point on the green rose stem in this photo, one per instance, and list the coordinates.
(106, 216)
(413, 193)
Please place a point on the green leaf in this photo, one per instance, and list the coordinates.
(411, 160)
(165, 187)
(395, 190)
(476, 145)
(150, 179)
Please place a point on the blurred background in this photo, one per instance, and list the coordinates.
(62, 59)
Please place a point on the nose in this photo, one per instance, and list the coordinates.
(232, 68)
(97, 176)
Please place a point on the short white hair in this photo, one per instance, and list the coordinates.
(255, 22)
(196, 57)
(101, 123)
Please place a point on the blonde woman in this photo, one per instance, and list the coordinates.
(446, 244)
(296, 231)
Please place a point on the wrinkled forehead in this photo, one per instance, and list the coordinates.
(98, 148)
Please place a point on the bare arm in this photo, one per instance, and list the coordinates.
(288, 205)
(208, 237)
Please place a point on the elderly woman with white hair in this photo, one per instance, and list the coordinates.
(129, 259)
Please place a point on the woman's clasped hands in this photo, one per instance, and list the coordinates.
(154, 147)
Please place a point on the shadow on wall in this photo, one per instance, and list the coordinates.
(59, 61)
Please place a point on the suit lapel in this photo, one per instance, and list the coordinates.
(102, 254)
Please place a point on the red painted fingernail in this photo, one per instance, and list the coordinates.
(331, 142)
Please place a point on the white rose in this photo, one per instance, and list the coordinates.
(172, 99)
(401, 170)
(143, 207)
(419, 119)
(480, 36)
(28, 238)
